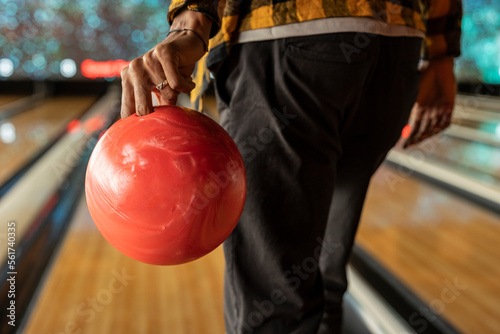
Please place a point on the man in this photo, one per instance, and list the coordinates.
(314, 93)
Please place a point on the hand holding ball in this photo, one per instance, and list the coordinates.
(166, 188)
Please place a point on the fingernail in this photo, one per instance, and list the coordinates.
(141, 111)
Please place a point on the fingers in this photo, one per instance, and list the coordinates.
(173, 60)
(427, 121)
(143, 101)
(136, 88)
(167, 96)
(421, 125)
(140, 78)
(446, 118)
(176, 80)
(128, 100)
(415, 124)
(433, 111)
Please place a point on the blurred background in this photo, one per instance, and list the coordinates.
(60, 39)
(427, 257)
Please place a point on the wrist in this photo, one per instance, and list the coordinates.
(199, 22)
(425, 63)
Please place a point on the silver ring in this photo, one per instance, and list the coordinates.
(162, 85)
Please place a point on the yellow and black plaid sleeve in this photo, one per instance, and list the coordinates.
(212, 8)
(443, 29)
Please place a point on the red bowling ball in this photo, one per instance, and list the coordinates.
(165, 188)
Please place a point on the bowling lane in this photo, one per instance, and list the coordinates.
(27, 133)
(467, 105)
(5, 99)
(477, 160)
(442, 247)
(491, 126)
(92, 288)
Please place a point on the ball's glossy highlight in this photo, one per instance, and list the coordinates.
(165, 188)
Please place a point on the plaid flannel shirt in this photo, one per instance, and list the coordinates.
(439, 19)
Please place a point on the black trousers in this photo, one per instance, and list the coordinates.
(313, 118)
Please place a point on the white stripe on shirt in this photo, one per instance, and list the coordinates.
(329, 25)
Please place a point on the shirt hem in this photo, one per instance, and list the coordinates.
(326, 26)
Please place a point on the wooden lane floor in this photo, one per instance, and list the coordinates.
(92, 288)
(442, 247)
(36, 127)
(478, 160)
(4, 99)
(471, 157)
